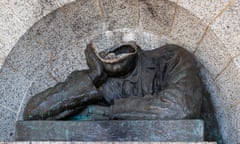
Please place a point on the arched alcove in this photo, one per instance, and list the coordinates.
(54, 47)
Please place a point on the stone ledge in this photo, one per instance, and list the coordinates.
(125, 130)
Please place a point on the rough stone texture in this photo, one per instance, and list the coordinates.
(69, 60)
(52, 33)
(212, 54)
(11, 28)
(229, 86)
(157, 16)
(2, 59)
(31, 11)
(64, 2)
(28, 57)
(165, 39)
(120, 14)
(13, 87)
(224, 111)
(7, 124)
(187, 29)
(229, 114)
(229, 120)
(145, 39)
(233, 124)
(206, 10)
(237, 61)
(106, 40)
(149, 41)
(84, 17)
(234, 121)
(16, 17)
(139, 130)
(227, 28)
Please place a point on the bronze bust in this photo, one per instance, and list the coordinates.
(125, 82)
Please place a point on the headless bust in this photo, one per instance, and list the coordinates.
(125, 82)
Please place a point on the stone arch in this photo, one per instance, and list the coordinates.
(53, 47)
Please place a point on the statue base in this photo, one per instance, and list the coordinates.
(115, 130)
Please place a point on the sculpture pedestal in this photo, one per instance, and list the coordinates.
(124, 130)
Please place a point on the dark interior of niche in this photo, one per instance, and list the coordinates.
(211, 129)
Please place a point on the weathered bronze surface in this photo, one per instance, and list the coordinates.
(125, 82)
(112, 130)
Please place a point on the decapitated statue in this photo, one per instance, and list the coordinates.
(125, 82)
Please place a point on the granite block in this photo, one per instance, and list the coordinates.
(2, 59)
(64, 2)
(4, 46)
(28, 57)
(149, 41)
(52, 33)
(31, 11)
(7, 124)
(212, 54)
(157, 16)
(106, 40)
(228, 121)
(11, 28)
(84, 18)
(233, 124)
(10, 23)
(7, 41)
(48, 5)
(227, 28)
(129, 34)
(116, 130)
(3, 51)
(26, 12)
(206, 10)
(120, 14)
(236, 60)
(13, 86)
(145, 39)
(229, 85)
(69, 60)
(187, 29)
(166, 39)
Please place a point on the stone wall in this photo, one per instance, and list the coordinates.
(37, 58)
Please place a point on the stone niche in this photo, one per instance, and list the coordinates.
(54, 47)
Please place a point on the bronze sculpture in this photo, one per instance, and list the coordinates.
(125, 82)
